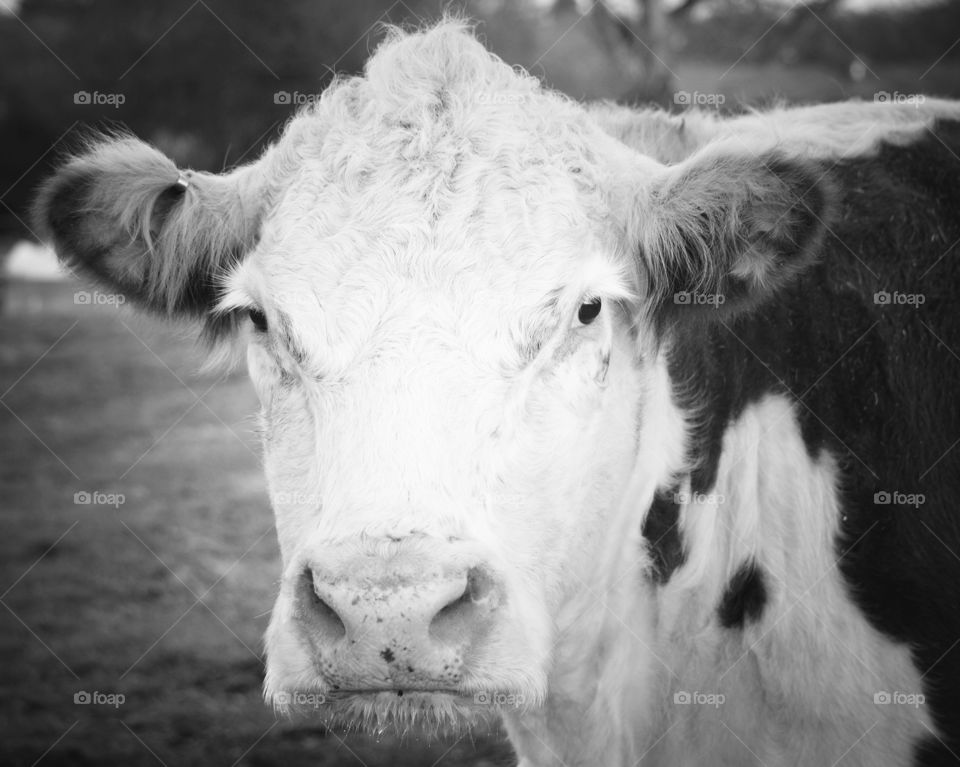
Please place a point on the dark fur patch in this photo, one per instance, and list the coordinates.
(744, 597)
(661, 530)
(931, 752)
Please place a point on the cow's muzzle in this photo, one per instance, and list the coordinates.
(401, 618)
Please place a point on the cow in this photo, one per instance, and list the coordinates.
(637, 430)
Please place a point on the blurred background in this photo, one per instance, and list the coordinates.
(138, 560)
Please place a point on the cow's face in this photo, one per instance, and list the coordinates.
(454, 290)
(439, 358)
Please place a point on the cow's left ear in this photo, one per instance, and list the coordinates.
(723, 230)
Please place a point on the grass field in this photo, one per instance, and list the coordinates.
(162, 598)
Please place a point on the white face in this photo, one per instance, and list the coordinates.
(438, 399)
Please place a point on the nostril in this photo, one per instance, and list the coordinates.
(480, 586)
(320, 615)
(459, 620)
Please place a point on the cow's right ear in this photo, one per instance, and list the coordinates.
(725, 229)
(125, 215)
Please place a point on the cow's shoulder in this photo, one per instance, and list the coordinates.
(865, 345)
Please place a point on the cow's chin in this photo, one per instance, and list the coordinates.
(431, 713)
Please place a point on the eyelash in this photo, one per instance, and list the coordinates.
(259, 320)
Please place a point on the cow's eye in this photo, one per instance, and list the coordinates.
(259, 319)
(589, 311)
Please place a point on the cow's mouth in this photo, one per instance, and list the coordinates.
(431, 711)
(398, 692)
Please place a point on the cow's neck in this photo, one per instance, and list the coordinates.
(730, 468)
(604, 667)
(605, 661)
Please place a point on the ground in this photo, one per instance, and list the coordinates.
(162, 598)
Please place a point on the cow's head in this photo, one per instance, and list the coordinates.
(453, 288)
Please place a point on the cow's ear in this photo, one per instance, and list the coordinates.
(724, 230)
(125, 215)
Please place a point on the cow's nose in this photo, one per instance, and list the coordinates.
(386, 624)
